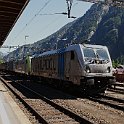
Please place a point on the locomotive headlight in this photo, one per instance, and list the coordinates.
(108, 70)
(87, 69)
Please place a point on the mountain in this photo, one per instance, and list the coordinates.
(110, 32)
(101, 24)
(1, 57)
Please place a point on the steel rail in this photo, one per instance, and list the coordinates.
(38, 117)
(56, 106)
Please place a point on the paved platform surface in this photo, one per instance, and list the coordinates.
(10, 113)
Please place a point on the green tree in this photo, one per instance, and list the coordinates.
(115, 63)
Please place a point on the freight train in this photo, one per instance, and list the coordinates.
(88, 67)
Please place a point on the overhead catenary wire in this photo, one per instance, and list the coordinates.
(50, 14)
(55, 20)
(64, 13)
(47, 26)
(31, 20)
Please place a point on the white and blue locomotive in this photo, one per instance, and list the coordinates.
(83, 65)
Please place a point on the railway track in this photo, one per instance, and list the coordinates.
(115, 97)
(109, 101)
(85, 108)
(44, 110)
(117, 89)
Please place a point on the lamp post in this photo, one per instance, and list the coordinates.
(26, 36)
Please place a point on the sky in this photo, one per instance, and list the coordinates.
(39, 20)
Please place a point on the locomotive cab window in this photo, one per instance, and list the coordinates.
(72, 55)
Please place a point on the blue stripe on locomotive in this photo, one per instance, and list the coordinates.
(61, 63)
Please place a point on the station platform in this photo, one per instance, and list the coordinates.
(10, 113)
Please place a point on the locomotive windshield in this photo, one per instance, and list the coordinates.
(102, 54)
(92, 55)
(89, 53)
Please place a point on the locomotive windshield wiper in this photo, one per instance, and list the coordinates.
(90, 60)
(106, 61)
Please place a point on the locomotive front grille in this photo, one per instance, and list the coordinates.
(98, 69)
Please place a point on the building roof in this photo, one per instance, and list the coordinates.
(10, 11)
